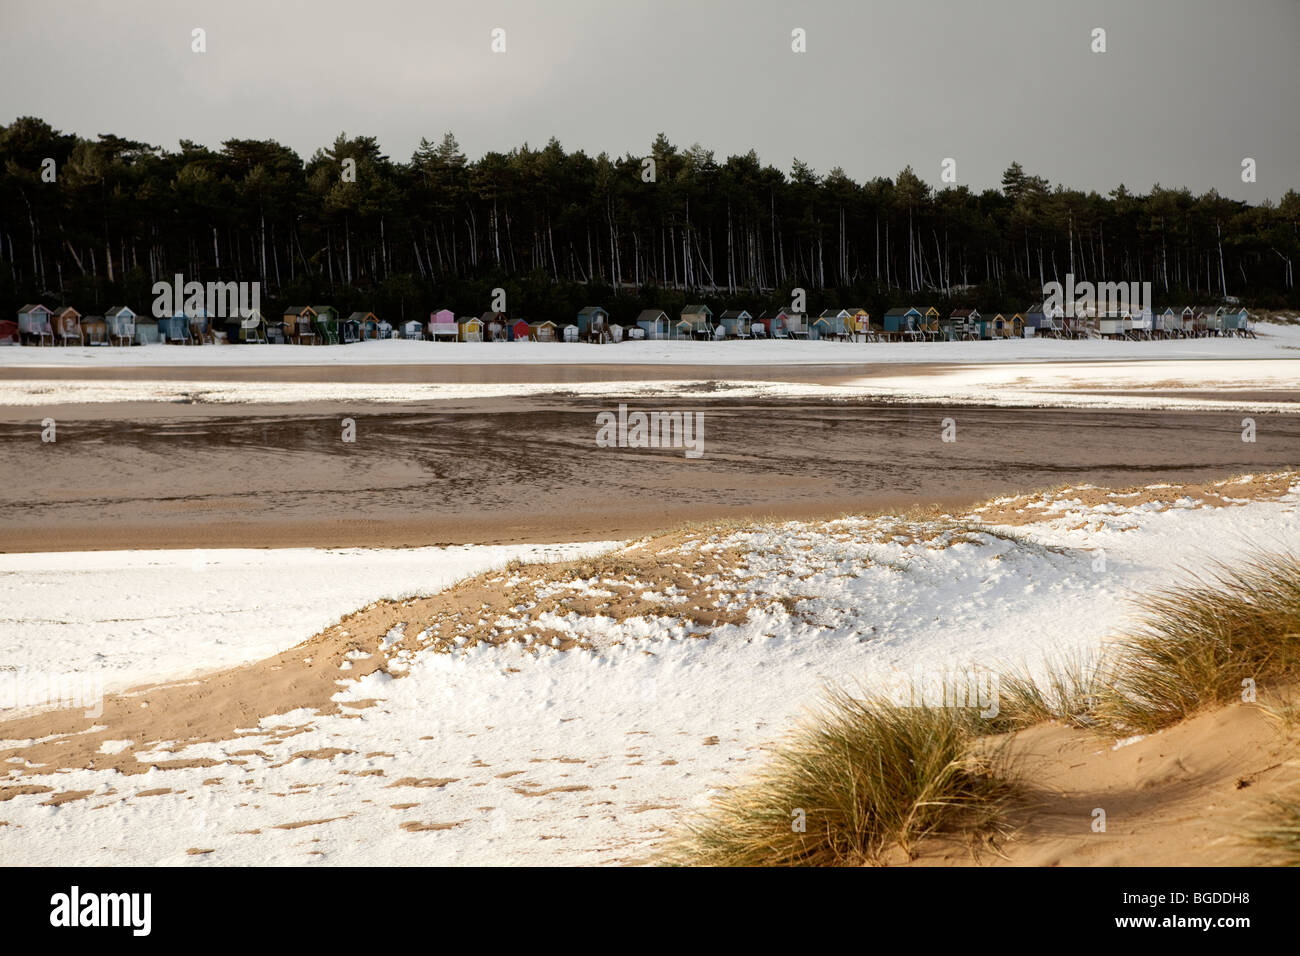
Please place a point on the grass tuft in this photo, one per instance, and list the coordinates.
(863, 776)
(1198, 644)
(1281, 832)
(1068, 692)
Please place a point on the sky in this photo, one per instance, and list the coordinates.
(1184, 92)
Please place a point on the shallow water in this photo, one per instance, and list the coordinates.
(529, 469)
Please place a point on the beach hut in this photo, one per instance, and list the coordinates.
(1110, 325)
(519, 331)
(960, 324)
(1169, 324)
(1201, 323)
(174, 329)
(1237, 323)
(34, 322)
(350, 328)
(9, 332)
(327, 323)
(699, 320)
(95, 330)
(273, 329)
(201, 327)
(1141, 323)
(904, 323)
(413, 329)
(355, 325)
(930, 323)
(988, 325)
(858, 325)
(654, 322)
(443, 325)
(832, 324)
(120, 323)
(796, 325)
(1188, 316)
(545, 331)
(66, 325)
(736, 323)
(471, 328)
(252, 328)
(775, 323)
(683, 329)
(146, 329)
(1053, 322)
(299, 324)
(593, 323)
(494, 326)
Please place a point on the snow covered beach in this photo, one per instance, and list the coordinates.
(1189, 374)
(586, 722)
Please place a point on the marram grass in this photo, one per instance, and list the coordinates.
(860, 777)
(865, 775)
(1280, 832)
(1204, 643)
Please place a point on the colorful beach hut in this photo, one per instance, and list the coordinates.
(471, 328)
(736, 323)
(443, 325)
(34, 323)
(654, 322)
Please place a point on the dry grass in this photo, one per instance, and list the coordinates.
(862, 777)
(867, 775)
(1068, 693)
(1201, 644)
(1280, 832)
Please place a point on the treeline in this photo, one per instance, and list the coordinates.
(95, 222)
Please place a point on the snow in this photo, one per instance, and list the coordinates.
(133, 616)
(532, 755)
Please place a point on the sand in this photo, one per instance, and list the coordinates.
(528, 470)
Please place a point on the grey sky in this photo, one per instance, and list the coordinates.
(1186, 89)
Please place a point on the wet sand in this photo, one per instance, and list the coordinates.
(529, 470)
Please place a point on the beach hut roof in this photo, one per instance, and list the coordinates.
(591, 310)
(697, 308)
(903, 310)
(962, 313)
(491, 316)
(736, 314)
(772, 313)
(360, 316)
(66, 309)
(651, 315)
(36, 308)
(299, 310)
(832, 313)
(118, 310)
